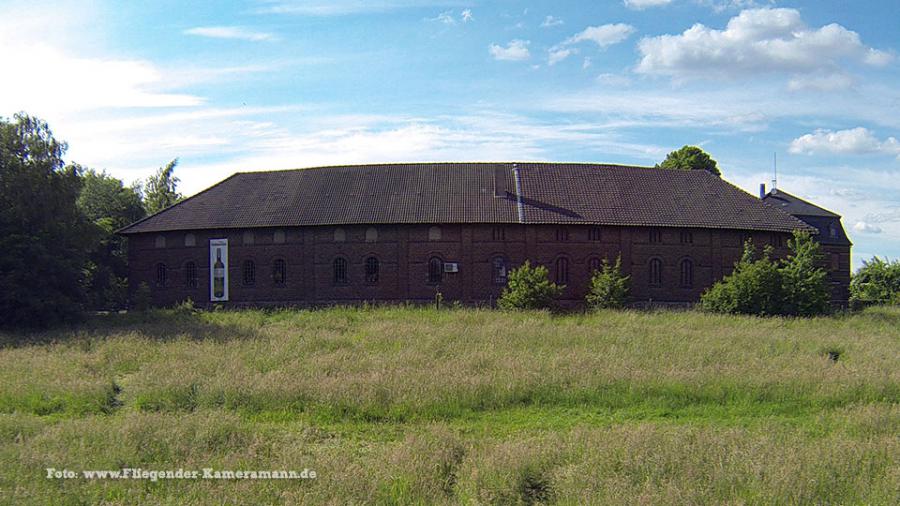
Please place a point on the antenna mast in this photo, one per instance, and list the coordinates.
(775, 171)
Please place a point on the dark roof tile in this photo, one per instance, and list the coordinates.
(471, 193)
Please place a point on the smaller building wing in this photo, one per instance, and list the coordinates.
(827, 223)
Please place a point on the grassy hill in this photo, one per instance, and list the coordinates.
(407, 405)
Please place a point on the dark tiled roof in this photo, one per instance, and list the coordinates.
(471, 193)
(796, 206)
(826, 222)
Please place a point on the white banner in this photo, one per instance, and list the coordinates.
(218, 270)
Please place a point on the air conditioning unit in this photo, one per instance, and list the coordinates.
(451, 267)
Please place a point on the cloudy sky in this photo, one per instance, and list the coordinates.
(270, 84)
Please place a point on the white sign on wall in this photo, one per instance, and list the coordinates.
(218, 270)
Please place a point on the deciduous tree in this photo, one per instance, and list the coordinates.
(690, 158)
(109, 205)
(161, 189)
(43, 234)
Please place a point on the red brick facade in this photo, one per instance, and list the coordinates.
(689, 261)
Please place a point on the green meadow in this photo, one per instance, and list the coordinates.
(405, 405)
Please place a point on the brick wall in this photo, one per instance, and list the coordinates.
(403, 253)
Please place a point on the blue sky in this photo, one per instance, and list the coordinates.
(271, 84)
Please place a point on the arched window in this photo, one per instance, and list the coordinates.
(594, 234)
(190, 240)
(371, 270)
(498, 234)
(655, 272)
(160, 241)
(687, 273)
(248, 272)
(687, 237)
(279, 272)
(500, 271)
(340, 271)
(191, 280)
(278, 236)
(248, 238)
(562, 271)
(655, 235)
(371, 234)
(434, 233)
(562, 234)
(594, 264)
(340, 235)
(162, 276)
(435, 270)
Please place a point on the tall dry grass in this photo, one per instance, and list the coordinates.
(418, 406)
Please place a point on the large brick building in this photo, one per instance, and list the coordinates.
(403, 232)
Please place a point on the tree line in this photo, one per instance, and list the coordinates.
(59, 253)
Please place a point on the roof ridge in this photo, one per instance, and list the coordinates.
(425, 164)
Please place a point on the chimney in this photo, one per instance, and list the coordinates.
(762, 190)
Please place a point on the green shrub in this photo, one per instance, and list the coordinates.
(794, 286)
(609, 287)
(876, 282)
(186, 307)
(754, 287)
(529, 288)
(803, 285)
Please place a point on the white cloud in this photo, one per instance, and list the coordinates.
(551, 21)
(344, 7)
(558, 55)
(445, 17)
(586, 63)
(756, 41)
(723, 5)
(100, 83)
(617, 80)
(866, 228)
(643, 4)
(826, 82)
(604, 35)
(516, 50)
(855, 141)
(466, 15)
(58, 70)
(229, 32)
(753, 106)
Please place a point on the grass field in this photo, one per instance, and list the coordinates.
(410, 405)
